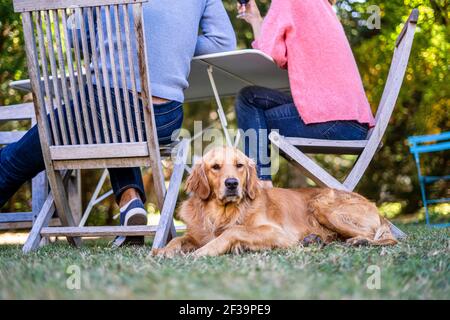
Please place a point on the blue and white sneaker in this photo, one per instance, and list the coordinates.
(132, 214)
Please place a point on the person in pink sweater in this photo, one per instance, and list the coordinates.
(327, 98)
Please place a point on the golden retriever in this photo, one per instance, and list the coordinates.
(229, 212)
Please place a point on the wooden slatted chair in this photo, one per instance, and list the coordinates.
(295, 148)
(39, 188)
(96, 144)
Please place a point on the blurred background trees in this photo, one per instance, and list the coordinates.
(423, 106)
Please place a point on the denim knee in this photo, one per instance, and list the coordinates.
(246, 94)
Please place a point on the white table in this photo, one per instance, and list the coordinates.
(225, 74)
(233, 71)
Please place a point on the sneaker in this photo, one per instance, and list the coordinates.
(132, 214)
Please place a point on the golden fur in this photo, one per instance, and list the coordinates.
(253, 218)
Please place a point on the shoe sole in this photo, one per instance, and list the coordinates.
(136, 217)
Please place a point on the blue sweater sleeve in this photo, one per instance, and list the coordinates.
(217, 33)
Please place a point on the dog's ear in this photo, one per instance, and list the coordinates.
(252, 185)
(197, 182)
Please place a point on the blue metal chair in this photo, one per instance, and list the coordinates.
(428, 144)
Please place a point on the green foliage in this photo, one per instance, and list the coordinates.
(423, 105)
(12, 53)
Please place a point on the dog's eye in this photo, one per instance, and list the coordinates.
(239, 165)
(216, 167)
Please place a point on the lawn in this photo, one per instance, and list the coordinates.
(418, 268)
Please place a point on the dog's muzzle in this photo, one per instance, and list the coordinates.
(231, 187)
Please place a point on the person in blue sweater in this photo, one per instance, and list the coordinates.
(173, 39)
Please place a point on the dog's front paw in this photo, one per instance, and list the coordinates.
(163, 253)
(203, 252)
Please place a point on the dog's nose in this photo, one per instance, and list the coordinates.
(231, 183)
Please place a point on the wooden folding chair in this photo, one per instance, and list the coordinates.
(39, 190)
(295, 148)
(96, 144)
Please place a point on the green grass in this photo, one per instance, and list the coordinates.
(418, 268)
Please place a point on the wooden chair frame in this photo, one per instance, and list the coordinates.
(39, 188)
(70, 146)
(295, 148)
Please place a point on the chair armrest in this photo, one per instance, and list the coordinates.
(23, 111)
(11, 136)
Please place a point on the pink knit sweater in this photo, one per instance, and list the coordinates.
(307, 38)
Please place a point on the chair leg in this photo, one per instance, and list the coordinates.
(39, 191)
(74, 195)
(423, 191)
(42, 220)
(61, 202)
(166, 225)
(308, 166)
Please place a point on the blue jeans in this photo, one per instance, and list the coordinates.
(261, 108)
(21, 161)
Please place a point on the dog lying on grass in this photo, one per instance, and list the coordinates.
(229, 212)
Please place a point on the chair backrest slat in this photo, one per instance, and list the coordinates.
(48, 93)
(62, 74)
(87, 68)
(137, 112)
(33, 71)
(95, 63)
(112, 55)
(123, 75)
(72, 80)
(81, 86)
(396, 75)
(85, 71)
(54, 72)
(106, 80)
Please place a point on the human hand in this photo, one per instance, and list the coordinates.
(250, 12)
